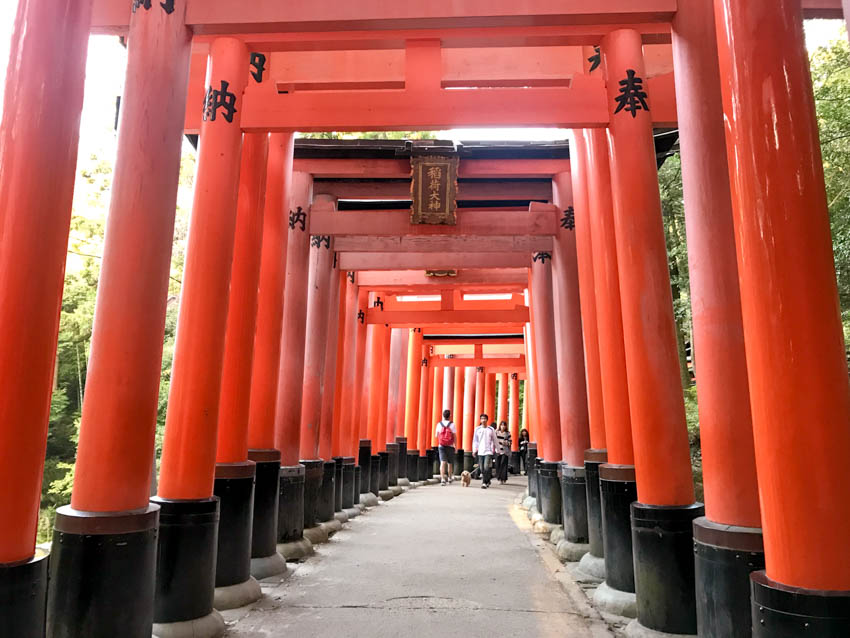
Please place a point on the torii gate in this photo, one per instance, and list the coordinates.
(774, 416)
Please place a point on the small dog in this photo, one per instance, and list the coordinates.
(465, 477)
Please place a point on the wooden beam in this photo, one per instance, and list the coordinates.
(501, 347)
(445, 244)
(493, 362)
(822, 9)
(431, 261)
(414, 318)
(360, 168)
(395, 223)
(412, 282)
(469, 343)
(471, 330)
(400, 190)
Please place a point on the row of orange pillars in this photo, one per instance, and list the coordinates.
(770, 555)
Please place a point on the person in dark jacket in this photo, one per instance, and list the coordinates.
(523, 451)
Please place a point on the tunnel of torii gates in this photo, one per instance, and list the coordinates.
(325, 319)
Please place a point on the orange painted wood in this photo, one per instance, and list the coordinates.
(189, 446)
(469, 416)
(481, 191)
(792, 327)
(471, 280)
(457, 404)
(726, 441)
(577, 181)
(424, 412)
(472, 329)
(466, 245)
(659, 431)
(479, 392)
(503, 397)
(337, 168)
(458, 345)
(124, 368)
(232, 446)
(430, 261)
(476, 222)
(437, 405)
(428, 317)
(339, 356)
(383, 398)
(490, 395)
(513, 419)
(329, 370)
(414, 383)
(392, 381)
(349, 374)
(294, 332)
(490, 362)
(401, 385)
(264, 379)
(360, 387)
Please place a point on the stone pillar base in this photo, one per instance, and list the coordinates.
(369, 500)
(403, 482)
(614, 601)
(331, 527)
(618, 490)
(635, 630)
(295, 550)
(571, 552)
(316, 535)
(209, 626)
(268, 566)
(385, 495)
(239, 595)
(590, 568)
(352, 512)
(341, 516)
(779, 611)
(23, 595)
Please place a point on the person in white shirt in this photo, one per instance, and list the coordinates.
(446, 438)
(485, 444)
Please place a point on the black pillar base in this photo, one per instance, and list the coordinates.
(530, 469)
(663, 548)
(313, 472)
(266, 489)
(434, 457)
(327, 493)
(457, 467)
(392, 466)
(383, 471)
(338, 483)
(348, 483)
(290, 513)
(724, 557)
(186, 557)
(234, 487)
(357, 482)
(375, 475)
(573, 503)
(549, 503)
(618, 490)
(102, 574)
(23, 596)
(401, 441)
(468, 461)
(592, 460)
(513, 462)
(364, 460)
(780, 611)
(413, 465)
(424, 468)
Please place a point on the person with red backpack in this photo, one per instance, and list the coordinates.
(446, 437)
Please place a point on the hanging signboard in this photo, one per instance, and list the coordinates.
(434, 190)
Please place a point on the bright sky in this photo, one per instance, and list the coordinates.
(105, 78)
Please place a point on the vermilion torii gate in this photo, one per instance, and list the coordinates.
(603, 398)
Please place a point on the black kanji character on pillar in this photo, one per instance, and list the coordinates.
(632, 97)
(514, 375)
(542, 257)
(316, 241)
(379, 303)
(351, 276)
(568, 221)
(258, 61)
(216, 99)
(480, 369)
(298, 217)
(168, 5)
(425, 363)
(361, 316)
(595, 59)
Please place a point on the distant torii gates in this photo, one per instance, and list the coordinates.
(287, 377)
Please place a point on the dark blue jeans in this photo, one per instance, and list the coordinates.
(485, 462)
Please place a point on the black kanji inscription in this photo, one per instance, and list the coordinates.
(167, 6)
(361, 316)
(542, 257)
(317, 241)
(425, 363)
(298, 217)
(351, 276)
(480, 369)
(379, 303)
(216, 99)
(595, 59)
(258, 61)
(514, 375)
(568, 221)
(632, 97)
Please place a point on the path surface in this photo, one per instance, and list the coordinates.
(437, 561)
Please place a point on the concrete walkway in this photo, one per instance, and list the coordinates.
(437, 561)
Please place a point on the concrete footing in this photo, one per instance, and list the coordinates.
(386, 495)
(397, 490)
(557, 536)
(369, 500)
(614, 601)
(403, 482)
(239, 595)
(210, 626)
(635, 630)
(592, 567)
(316, 535)
(268, 566)
(542, 528)
(331, 527)
(529, 502)
(352, 512)
(296, 550)
(432, 481)
(573, 552)
(342, 517)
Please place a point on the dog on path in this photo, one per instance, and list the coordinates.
(465, 477)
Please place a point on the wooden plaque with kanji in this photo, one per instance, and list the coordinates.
(434, 190)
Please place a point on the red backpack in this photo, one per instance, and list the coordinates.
(446, 437)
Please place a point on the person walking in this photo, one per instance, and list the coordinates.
(485, 445)
(523, 451)
(446, 439)
(503, 435)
